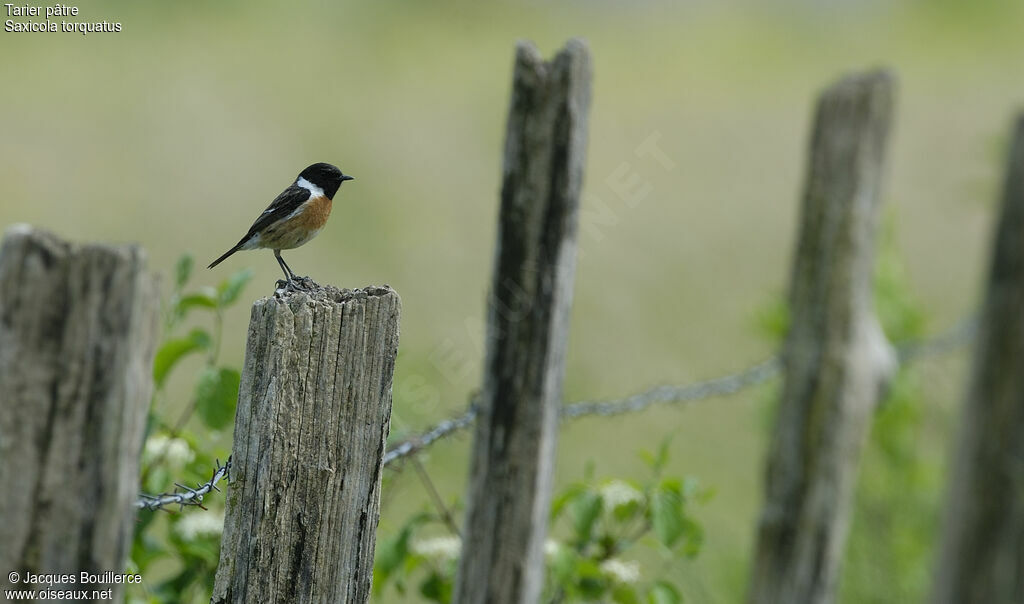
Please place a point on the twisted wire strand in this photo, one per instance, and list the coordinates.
(955, 337)
(961, 333)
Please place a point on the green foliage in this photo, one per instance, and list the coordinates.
(229, 289)
(595, 526)
(772, 320)
(664, 592)
(900, 313)
(182, 547)
(175, 349)
(182, 271)
(217, 395)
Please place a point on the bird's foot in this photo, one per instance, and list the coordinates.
(304, 283)
(296, 284)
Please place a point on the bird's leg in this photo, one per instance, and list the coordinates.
(288, 274)
(292, 281)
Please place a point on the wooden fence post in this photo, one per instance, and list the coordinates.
(982, 554)
(836, 359)
(314, 408)
(528, 315)
(78, 330)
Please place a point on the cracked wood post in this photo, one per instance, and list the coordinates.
(528, 319)
(982, 554)
(78, 330)
(314, 408)
(836, 359)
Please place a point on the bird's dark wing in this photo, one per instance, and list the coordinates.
(286, 203)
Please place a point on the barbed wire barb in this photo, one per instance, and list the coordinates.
(187, 495)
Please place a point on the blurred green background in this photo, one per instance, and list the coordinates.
(178, 131)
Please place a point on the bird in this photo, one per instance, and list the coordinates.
(295, 216)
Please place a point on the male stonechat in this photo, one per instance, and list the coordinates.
(295, 216)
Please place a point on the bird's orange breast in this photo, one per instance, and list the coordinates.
(298, 228)
(314, 213)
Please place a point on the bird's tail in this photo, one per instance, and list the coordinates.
(237, 247)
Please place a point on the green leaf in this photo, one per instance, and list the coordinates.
(592, 583)
(625, 594)
(216, 396)
(657, 461)
(203, 548)
(562, 564)
(174, 350)
(205, 297)
(157, 480)
(585, 510)
(625, 511)
(667, 515)
(436, 588)
(694, 537)
(563, 499)
(392, 553)
(146, 549)
(772, 320)
(230, 288)
(183, 270)
(663, 449)
(664, 592)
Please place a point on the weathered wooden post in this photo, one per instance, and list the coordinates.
(78, 330)
(836, 359)
(528, 316)
(982, 555)
(314, 408)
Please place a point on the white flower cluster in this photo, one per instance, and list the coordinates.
(551, 548)
(175, 451)
(201, 523)
(621, 571)
(438, 548)
(616, 493)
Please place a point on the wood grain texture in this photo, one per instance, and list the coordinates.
(313, 414)
(982, 553)
(528, 318)
(78, 330)
(836, 359)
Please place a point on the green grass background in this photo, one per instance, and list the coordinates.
(178, 131)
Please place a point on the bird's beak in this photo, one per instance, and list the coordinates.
(345, 177)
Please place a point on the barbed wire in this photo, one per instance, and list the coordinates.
(962, 332)
(760, 373)
(186, 495)
(442, 429)
(720, 386)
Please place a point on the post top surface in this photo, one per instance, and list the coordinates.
(329, 293)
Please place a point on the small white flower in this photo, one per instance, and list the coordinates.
(438, 548)
(551, 548)
(200, 523)
(621, 571)
(616, 493)
(155, 445)
(175, 451)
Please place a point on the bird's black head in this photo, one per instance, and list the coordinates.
(325, 176)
